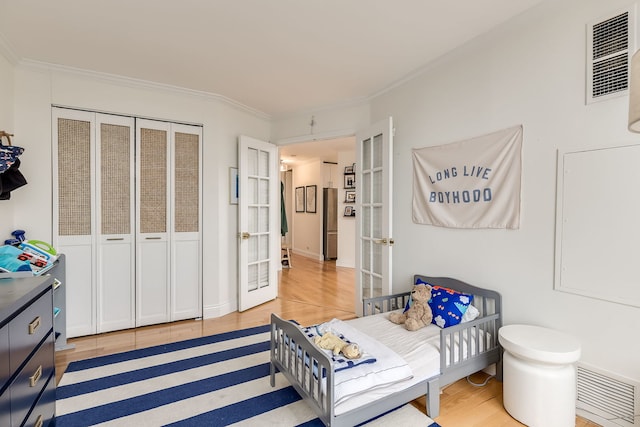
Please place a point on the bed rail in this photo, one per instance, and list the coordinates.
(307, 368)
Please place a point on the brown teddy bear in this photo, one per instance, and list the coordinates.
(419, 313)
(332, 342)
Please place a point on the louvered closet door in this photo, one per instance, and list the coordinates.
(115, 222)
(152, 221)
(185, 242)
(73, 214)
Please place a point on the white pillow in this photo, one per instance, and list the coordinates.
(470, 314)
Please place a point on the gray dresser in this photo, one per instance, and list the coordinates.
(27, 365)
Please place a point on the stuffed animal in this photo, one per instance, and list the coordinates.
(419, 314)
(330, 341)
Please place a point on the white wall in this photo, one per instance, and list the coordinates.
(7, 207)
(530, 71)
(307, 227)
(346, 225)
(37, 88)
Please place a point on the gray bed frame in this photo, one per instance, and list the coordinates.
(299, 360)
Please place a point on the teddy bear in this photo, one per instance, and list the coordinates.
(330, 341)
(419, 314)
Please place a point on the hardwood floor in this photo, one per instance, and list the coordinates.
(310, 292)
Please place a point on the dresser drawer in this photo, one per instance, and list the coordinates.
(5, 408)
(5, 373)
(29, 328)
(44, 410)
(30, 381)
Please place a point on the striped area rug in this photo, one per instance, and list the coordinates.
(217, 380)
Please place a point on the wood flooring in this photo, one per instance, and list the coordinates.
(310, 292)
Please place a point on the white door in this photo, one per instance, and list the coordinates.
(152, 222)
(115, 220)
(258, 222)
(73, 218)
(186, 220)
(373, 211)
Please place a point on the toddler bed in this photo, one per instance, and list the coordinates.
(343, 395)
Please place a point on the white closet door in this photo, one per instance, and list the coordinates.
(152, 222)
(185, 241)
(115, 222)
(73, 213)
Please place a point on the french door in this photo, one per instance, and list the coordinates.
(258, 222)
(374, 171)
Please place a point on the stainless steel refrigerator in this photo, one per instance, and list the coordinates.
(330, 223)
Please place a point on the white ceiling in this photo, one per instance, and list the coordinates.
(274, 56)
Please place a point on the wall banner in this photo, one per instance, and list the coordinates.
(473, 183)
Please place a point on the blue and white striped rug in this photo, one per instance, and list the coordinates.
(217, 380)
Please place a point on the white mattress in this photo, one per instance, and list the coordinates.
(418, 348)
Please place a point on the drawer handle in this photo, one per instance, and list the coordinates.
(35, 324)
(39, 421)
(33, 379)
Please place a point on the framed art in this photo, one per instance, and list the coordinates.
(311, 201)
(299, 199)
(349, 211)
(350, 180)
(233, 186)
(348, 170)
(350, 196)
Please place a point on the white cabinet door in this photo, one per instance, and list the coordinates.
(73, 220)
(152, 222)
(185, 241)
(115, 216)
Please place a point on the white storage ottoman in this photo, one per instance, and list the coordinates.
(539, 375)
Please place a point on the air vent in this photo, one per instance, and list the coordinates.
(606, 398)
(610, 46)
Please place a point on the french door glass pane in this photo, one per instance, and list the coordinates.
(252, 219)
(252, 161)
(377, 151)
(264, 274)
(264, 164)
(252, 277)
(253, 249)
(252, 191)
(366, 154)
(366, 187)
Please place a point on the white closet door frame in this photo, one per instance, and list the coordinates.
(81, 301)
(185, 246)
(152, 248)
(115, 253)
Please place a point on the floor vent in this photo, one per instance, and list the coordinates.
(610, 45)
(607, 399)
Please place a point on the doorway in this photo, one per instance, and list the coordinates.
(314, 166)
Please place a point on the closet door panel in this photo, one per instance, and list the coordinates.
(186, 247)
(115, 220)
(152, 222)
(73, 213)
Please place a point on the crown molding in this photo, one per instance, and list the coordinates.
(140, 83)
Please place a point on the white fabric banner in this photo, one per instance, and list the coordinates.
(473, 183)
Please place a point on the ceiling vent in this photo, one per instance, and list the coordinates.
(610, 45)
(607, 399)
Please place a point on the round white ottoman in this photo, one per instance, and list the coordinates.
(539, 375)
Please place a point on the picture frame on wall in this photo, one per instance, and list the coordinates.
(350, 180)
(348, 170)
(311, 199)
(349, 211)
(350, 196)
(300, 199)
